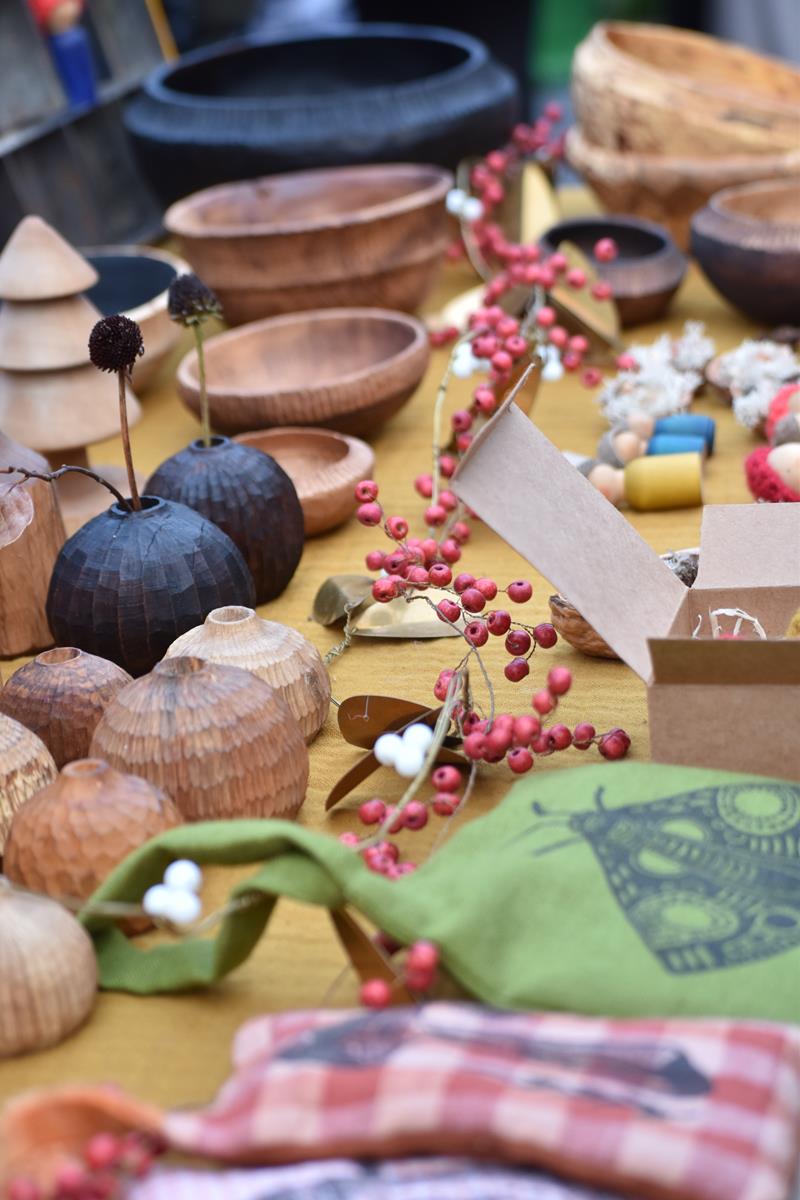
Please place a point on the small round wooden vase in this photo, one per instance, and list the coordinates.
(218, 740)
(48, 972)
(26, 765)
(275, 653)
(128, 583)
(69, 836)
(246, 494)
(61, 695)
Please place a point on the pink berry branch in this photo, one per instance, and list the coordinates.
(103, 1169)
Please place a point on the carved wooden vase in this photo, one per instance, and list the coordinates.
(248, 495)
(61, 695)
(128, 583)
(69, 836)
(26, 765)
(218, 740)
(275, 653)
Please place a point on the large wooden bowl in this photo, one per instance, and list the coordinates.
(317, 239)
(747, 240)
(348, 369)
(324, 467)
(665, 189)
(651, 89)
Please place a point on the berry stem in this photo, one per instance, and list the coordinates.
(205, 415)
(437, 412)
(122, 376)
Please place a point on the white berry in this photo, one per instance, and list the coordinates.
(472, 209)
(462, 368)
(454, 201)
(387, 748)
(184, 875)
(182, 907)
(419, 736)
(155, 901)
(409, 761)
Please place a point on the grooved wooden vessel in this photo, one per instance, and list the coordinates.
(218, 740)
(61, 695)
(29, 556)
(48, 972)
(249, 496)
(26, 765)
(281, 656)
(69, 836)
(324, 467)
(349, 369)
(653, 89)
(328, 238)
(747, 241)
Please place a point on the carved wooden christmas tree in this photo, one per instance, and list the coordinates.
(51, 398)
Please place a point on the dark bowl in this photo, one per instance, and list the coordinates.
(647, 272)
(747, 242)
(350, 95)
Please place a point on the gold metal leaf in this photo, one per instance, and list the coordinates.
(338, 594)
(410, 619)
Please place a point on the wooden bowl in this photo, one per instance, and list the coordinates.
(747, 241)
(347, 368)
(651, 89)
(134, 280)
(324, 467)
(666, 189)
(647, 272)
(317, 239)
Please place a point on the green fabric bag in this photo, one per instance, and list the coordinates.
(620, 889)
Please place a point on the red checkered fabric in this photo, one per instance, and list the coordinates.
(670, 1109)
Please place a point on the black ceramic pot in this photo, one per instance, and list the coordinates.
(249, 496)
(355, 94)
(128, 583)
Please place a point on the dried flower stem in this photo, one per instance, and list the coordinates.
(437, 412)
(122, 377)
(52, 476)
(205, 415)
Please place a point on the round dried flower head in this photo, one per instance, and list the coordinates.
(115, 343)
(190, 300)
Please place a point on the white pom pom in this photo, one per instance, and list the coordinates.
(419, 736)
(454, 201)
(184, 875)
(463, 367)
(155, 901)
(182, 907)
(472, 209)
(552, 370)
(409, 761)
(387, 748)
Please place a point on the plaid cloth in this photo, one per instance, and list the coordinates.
(340, 1179)
(669, 1109)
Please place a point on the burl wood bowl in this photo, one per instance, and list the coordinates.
(653, 89)
(348, 369)
(647, 271)
(329, 238)
(324, 467)
(664, 188)
(747, 241)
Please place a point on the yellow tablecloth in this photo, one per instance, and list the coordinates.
(174, 1050)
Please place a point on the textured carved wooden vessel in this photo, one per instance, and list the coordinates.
(747, 241)
(349, 236)
(249, 496)
(281, 656)
(61, 695)
(26, 765)
(324, 467)
(653, 89)
(349, 369)
(218, 740)
(27, 554)
(48, 972)
(69, 836)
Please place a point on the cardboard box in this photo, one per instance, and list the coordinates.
(712, 703)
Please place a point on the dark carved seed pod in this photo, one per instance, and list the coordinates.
(128, 583)
(190, 300)
(249, 496)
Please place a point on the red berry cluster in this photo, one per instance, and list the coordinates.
(110, 1161)
(418, 972)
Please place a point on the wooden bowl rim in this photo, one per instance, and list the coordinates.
(760, 164)
(355, 449)
(315, 315)
(128, 250)
(440, 183)
(622, 221)
(786, 183)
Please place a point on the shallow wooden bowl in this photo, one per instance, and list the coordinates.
(654, 89)
(646, 273)
(747, 241)
(317, 239)
(347, 368)
(134, 280)
(667, 189)
(324, 467)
